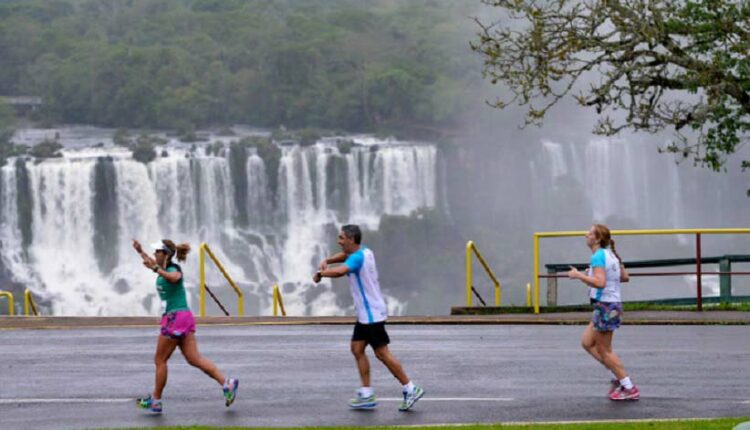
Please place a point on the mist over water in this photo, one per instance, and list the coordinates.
(560, 177)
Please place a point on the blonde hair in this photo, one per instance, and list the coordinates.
(604, 238)
(180, 251)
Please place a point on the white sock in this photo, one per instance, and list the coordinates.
(625, 382)
(409, 387)
(366, 391)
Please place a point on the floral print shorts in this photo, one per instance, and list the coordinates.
(606, 316)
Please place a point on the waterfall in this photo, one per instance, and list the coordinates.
(14, 252)
(617, 178)
(86, 207)
(627, 185)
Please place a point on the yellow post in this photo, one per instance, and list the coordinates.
(528, 295)
(275, 300)
(278, 302)
(202, 258)
(29, 306)
(469, 245)
(9, 295)
(536, 273)
(26, 303)
(497, 294)
(240, 296)
(281, 304)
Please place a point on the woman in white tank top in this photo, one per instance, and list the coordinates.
(604, 276)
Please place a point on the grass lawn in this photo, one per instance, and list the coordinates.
(715, 424)
(741, 307)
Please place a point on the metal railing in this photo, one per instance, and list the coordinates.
(556, 271)
(29, 305)
(470, 247)
(9, 296)
(696, 231)
(204, 249)
(278, 302)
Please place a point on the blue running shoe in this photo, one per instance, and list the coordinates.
(411, 398)
(230, 390)
(360, 402)
(150, 404)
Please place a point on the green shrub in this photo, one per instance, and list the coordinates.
(122, 138)
(46, 149)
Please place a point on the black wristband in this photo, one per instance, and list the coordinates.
(155, 268)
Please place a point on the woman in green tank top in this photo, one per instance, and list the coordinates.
(177, 323)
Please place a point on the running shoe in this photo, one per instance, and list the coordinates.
(149, 403)
(230, 390)
(360, 402)
(624, 394)
(614, 384)
(411, 398)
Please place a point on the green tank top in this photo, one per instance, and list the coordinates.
(172, 293)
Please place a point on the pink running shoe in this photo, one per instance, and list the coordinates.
(614, 384)
(625, 394)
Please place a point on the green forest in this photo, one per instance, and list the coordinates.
(353, 65)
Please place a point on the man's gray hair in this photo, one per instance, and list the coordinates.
(353, 232)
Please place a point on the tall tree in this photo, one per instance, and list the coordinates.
(667, 64)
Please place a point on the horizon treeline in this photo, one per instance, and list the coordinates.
(337, 64)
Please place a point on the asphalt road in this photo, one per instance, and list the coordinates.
(304, 375)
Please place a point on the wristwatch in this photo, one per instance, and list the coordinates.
(155, 268)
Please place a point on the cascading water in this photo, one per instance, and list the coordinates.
(265, 225)
(627, 184)
(66, 224)
(629, 180)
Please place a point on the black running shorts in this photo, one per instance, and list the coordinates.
(373, 334)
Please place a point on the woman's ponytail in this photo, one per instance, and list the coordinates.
(614, 251)
(180, 251)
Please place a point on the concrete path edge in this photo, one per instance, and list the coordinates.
(570, 318)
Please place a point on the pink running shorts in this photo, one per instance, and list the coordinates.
(177, 325)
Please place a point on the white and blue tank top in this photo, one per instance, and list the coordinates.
(605, 258)
(365, 288)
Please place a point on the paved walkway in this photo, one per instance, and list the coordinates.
(575, 318)
(303, 375)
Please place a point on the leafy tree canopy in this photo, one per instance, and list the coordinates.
(676, 64)
(339, 64)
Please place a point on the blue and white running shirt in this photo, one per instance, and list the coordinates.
(606, 259)
(363, 282)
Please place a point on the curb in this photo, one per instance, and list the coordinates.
(573, 318)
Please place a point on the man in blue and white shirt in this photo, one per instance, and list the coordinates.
(372, 312)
